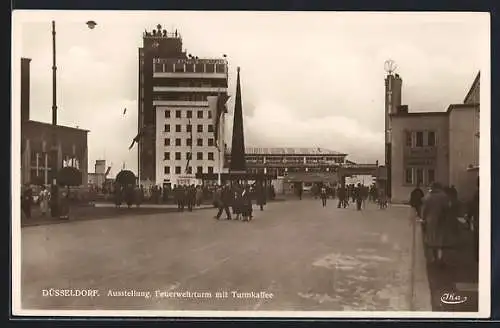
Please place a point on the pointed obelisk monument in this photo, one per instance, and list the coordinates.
(238, 163)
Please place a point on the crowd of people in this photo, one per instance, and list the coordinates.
(438, 211)
(358, 194)
(186, 197)
(239, 197)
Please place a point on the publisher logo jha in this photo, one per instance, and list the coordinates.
(452, 298)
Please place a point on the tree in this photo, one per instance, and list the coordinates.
(125, 178)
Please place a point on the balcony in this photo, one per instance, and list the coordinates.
(190, 89)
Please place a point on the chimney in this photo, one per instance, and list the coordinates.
(25, 89)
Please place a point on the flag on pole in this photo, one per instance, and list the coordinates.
(217, 105)
(139, 135)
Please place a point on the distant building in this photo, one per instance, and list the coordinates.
(36, 142)
(173, 110)
(293, 165)
(436, 146)
(98, 177)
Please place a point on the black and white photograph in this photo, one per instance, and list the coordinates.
(251, 164)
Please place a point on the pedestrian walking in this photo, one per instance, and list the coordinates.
(357, 196)
(224, 202)
(323, 195)
(199, 196)
(436, 217)
(260, 195)
(246, 204)
(416, 197)
(44, 197)
(27, 201)
(341, 194)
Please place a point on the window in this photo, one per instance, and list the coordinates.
(210, 156)
(166, 170)
(210, 169)
(420, 139)
(430, 176)
(189, 142)
(409, 176)
(220, 68)
(431, 138)
(200, 114)
(178, 114)
(210, 142)
(177, 128)
(189, 127)
(209, 68)
(200, 128)
(177, 156)
(179, 67)
(177, 170)
(167, 142)
(199, 142)
(167, 114)
(166, 156)
(189, 170)
(167, 127)
(158, 67)
(177, 141)
(188, 156)
(199, 169)
(200, 68)
(189, 114)
(209, 114)
(210, 128)
(169, 67)
(420, 176)
(408, 138)
(189, 68)
(199, 156)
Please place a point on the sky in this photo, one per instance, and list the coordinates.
(309, 79)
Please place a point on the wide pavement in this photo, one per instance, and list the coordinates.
(308, 257)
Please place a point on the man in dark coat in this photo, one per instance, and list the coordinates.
(191, 197)
(260, 196)
(358, 196)
(341, 194)
(416, 197)
(27, 201)
(225, 202)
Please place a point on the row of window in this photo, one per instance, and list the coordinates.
(189, 142)
(420, 138)
(199, 156)
(421, 176)
(190, 68)
(178, 170)
(189, 128)
(179, 96)
(175, 83)
(189, 114)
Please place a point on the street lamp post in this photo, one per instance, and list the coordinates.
(54, 206)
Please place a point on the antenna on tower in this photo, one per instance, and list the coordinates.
(390, 66)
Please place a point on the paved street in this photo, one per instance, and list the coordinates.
(295, 255)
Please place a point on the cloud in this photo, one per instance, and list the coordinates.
(308, 79)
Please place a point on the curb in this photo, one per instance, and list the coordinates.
(421, 298)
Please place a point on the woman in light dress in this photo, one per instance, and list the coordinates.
(44, 198)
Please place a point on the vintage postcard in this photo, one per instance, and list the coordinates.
(251, 164)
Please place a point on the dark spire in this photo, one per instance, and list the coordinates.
(238, 163)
